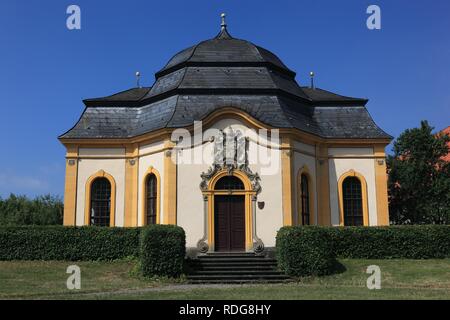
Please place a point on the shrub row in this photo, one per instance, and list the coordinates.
(68, 243)
(163, 248)
(311, 250)
(394, 242)
(305, 251)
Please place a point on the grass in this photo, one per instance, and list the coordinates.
(401, 279)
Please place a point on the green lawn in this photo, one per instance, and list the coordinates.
(401, 279)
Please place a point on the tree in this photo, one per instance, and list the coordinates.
(419, 178)
(20, 210)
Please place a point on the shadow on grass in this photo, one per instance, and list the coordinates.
(337, 268)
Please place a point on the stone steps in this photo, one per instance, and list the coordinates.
(239, 267)
(234, 268)
(239, 281)
(233, 261)
(235, 272)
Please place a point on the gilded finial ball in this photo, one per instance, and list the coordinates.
(223, 15)
(138, 73)
(311, 74)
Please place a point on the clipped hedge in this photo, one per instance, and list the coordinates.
(305, 251)
(394, 242)
(310, 250)
(163, 249)
(68, 243)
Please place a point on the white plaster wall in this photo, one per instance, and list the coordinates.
(301, 160)
(270, 219)
(305, 148)
(155, 160)
(88, 167)
(349, 152)
(190, 213)
(151, 147)
(101, 152)
(366, 168)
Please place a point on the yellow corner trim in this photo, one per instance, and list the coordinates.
(131, 185)
(287, 181)
(70, 187)
(381, 178)
(170, 184)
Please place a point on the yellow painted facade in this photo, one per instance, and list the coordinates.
(131, 185)
(288, 180)
(320, 178)
(381, 185)
(170, 184)
(70, 188)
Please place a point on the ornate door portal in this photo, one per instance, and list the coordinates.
(229, 223)
(230, 190)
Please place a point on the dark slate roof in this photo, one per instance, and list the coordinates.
(225, 72)
(347, 122)
(224, 49)
(181, 111)
(127, 96)
(320, 96)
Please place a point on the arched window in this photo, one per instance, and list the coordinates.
(229, 183)
(352, 202)
(151, 198)
(304, 195)
(100, 206)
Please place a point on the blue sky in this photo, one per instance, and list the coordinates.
(46, 70)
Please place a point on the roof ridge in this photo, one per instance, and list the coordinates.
(257, 50)
(375, 124)
(173, 113)
(306, 97)
(182, 78)
(288, 119)
(148, 90)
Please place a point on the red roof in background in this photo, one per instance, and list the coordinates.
(447, 132)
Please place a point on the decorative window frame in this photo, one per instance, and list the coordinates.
(151, 170)
(311, 190)
(87, 204)
(365, 206)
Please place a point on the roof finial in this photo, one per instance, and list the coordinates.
(223, 34)
(138, 78)
(223, 25)
(311, 74)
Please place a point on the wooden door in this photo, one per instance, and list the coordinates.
(229, 223)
